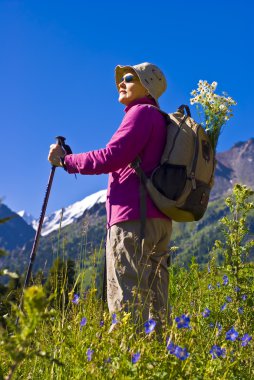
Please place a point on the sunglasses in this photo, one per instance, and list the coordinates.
(128, 78)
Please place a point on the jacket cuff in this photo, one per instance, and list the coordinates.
(69, 164)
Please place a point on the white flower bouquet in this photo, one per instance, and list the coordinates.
(214, 109)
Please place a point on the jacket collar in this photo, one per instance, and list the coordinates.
(144, 100)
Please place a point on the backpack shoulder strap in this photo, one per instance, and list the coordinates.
(165, 114)
(142, 186)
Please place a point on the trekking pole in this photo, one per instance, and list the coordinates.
(67, 149)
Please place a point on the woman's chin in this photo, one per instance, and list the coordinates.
(123, 100)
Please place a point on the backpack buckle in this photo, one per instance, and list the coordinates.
(193, 181)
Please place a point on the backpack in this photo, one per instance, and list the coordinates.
(180, 186)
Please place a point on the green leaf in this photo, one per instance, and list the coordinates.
(4, 220)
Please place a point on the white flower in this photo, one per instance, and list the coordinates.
(214, 85)
(216, 109)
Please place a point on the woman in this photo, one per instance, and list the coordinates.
(137, 279)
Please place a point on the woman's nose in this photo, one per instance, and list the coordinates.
(122, 83)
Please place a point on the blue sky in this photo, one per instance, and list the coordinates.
(57, 78)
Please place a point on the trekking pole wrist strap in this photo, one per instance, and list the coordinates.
(63, 163)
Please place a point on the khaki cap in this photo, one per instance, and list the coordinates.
(150, 76)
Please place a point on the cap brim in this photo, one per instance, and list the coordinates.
(120, 70)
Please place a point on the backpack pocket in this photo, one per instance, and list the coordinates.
(197, 200)
(170, 180)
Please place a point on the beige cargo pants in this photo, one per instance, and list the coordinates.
(138, 281)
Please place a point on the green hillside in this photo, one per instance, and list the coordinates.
(79, 239)
(196, 239)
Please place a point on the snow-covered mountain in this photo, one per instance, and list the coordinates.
(27, 217)
(15, 232)
(69, 214)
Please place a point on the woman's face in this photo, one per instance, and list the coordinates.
(130, 88)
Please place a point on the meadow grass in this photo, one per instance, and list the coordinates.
(210, 335)
(64, 345)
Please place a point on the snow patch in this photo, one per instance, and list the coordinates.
(26, 216)
(69, 214)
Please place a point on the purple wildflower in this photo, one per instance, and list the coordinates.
(114, 320)
(229, 299)
(244, 297)
(237, 289)
(89, 354)
(75, 299)
(135, 357)
(183, 321)
(232, 334)
(206, 312)
(210, 287)
(225, 280)
(108, 360)
(240, 310)
(181, 353)
(149, 326)
(211, 325)
(171, 347)
(83, 322)
(217, 351)
(223, 307)
(101, 323)
(245, 340)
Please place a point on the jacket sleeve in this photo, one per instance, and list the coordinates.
(125, 145)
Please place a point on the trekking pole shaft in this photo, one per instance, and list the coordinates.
(67, 149)
(37, 238)
(38, 232)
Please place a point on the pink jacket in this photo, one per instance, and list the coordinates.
(142, 133)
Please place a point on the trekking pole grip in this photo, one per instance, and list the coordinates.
(61, 141)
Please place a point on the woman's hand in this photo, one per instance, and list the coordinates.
(56, 152)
